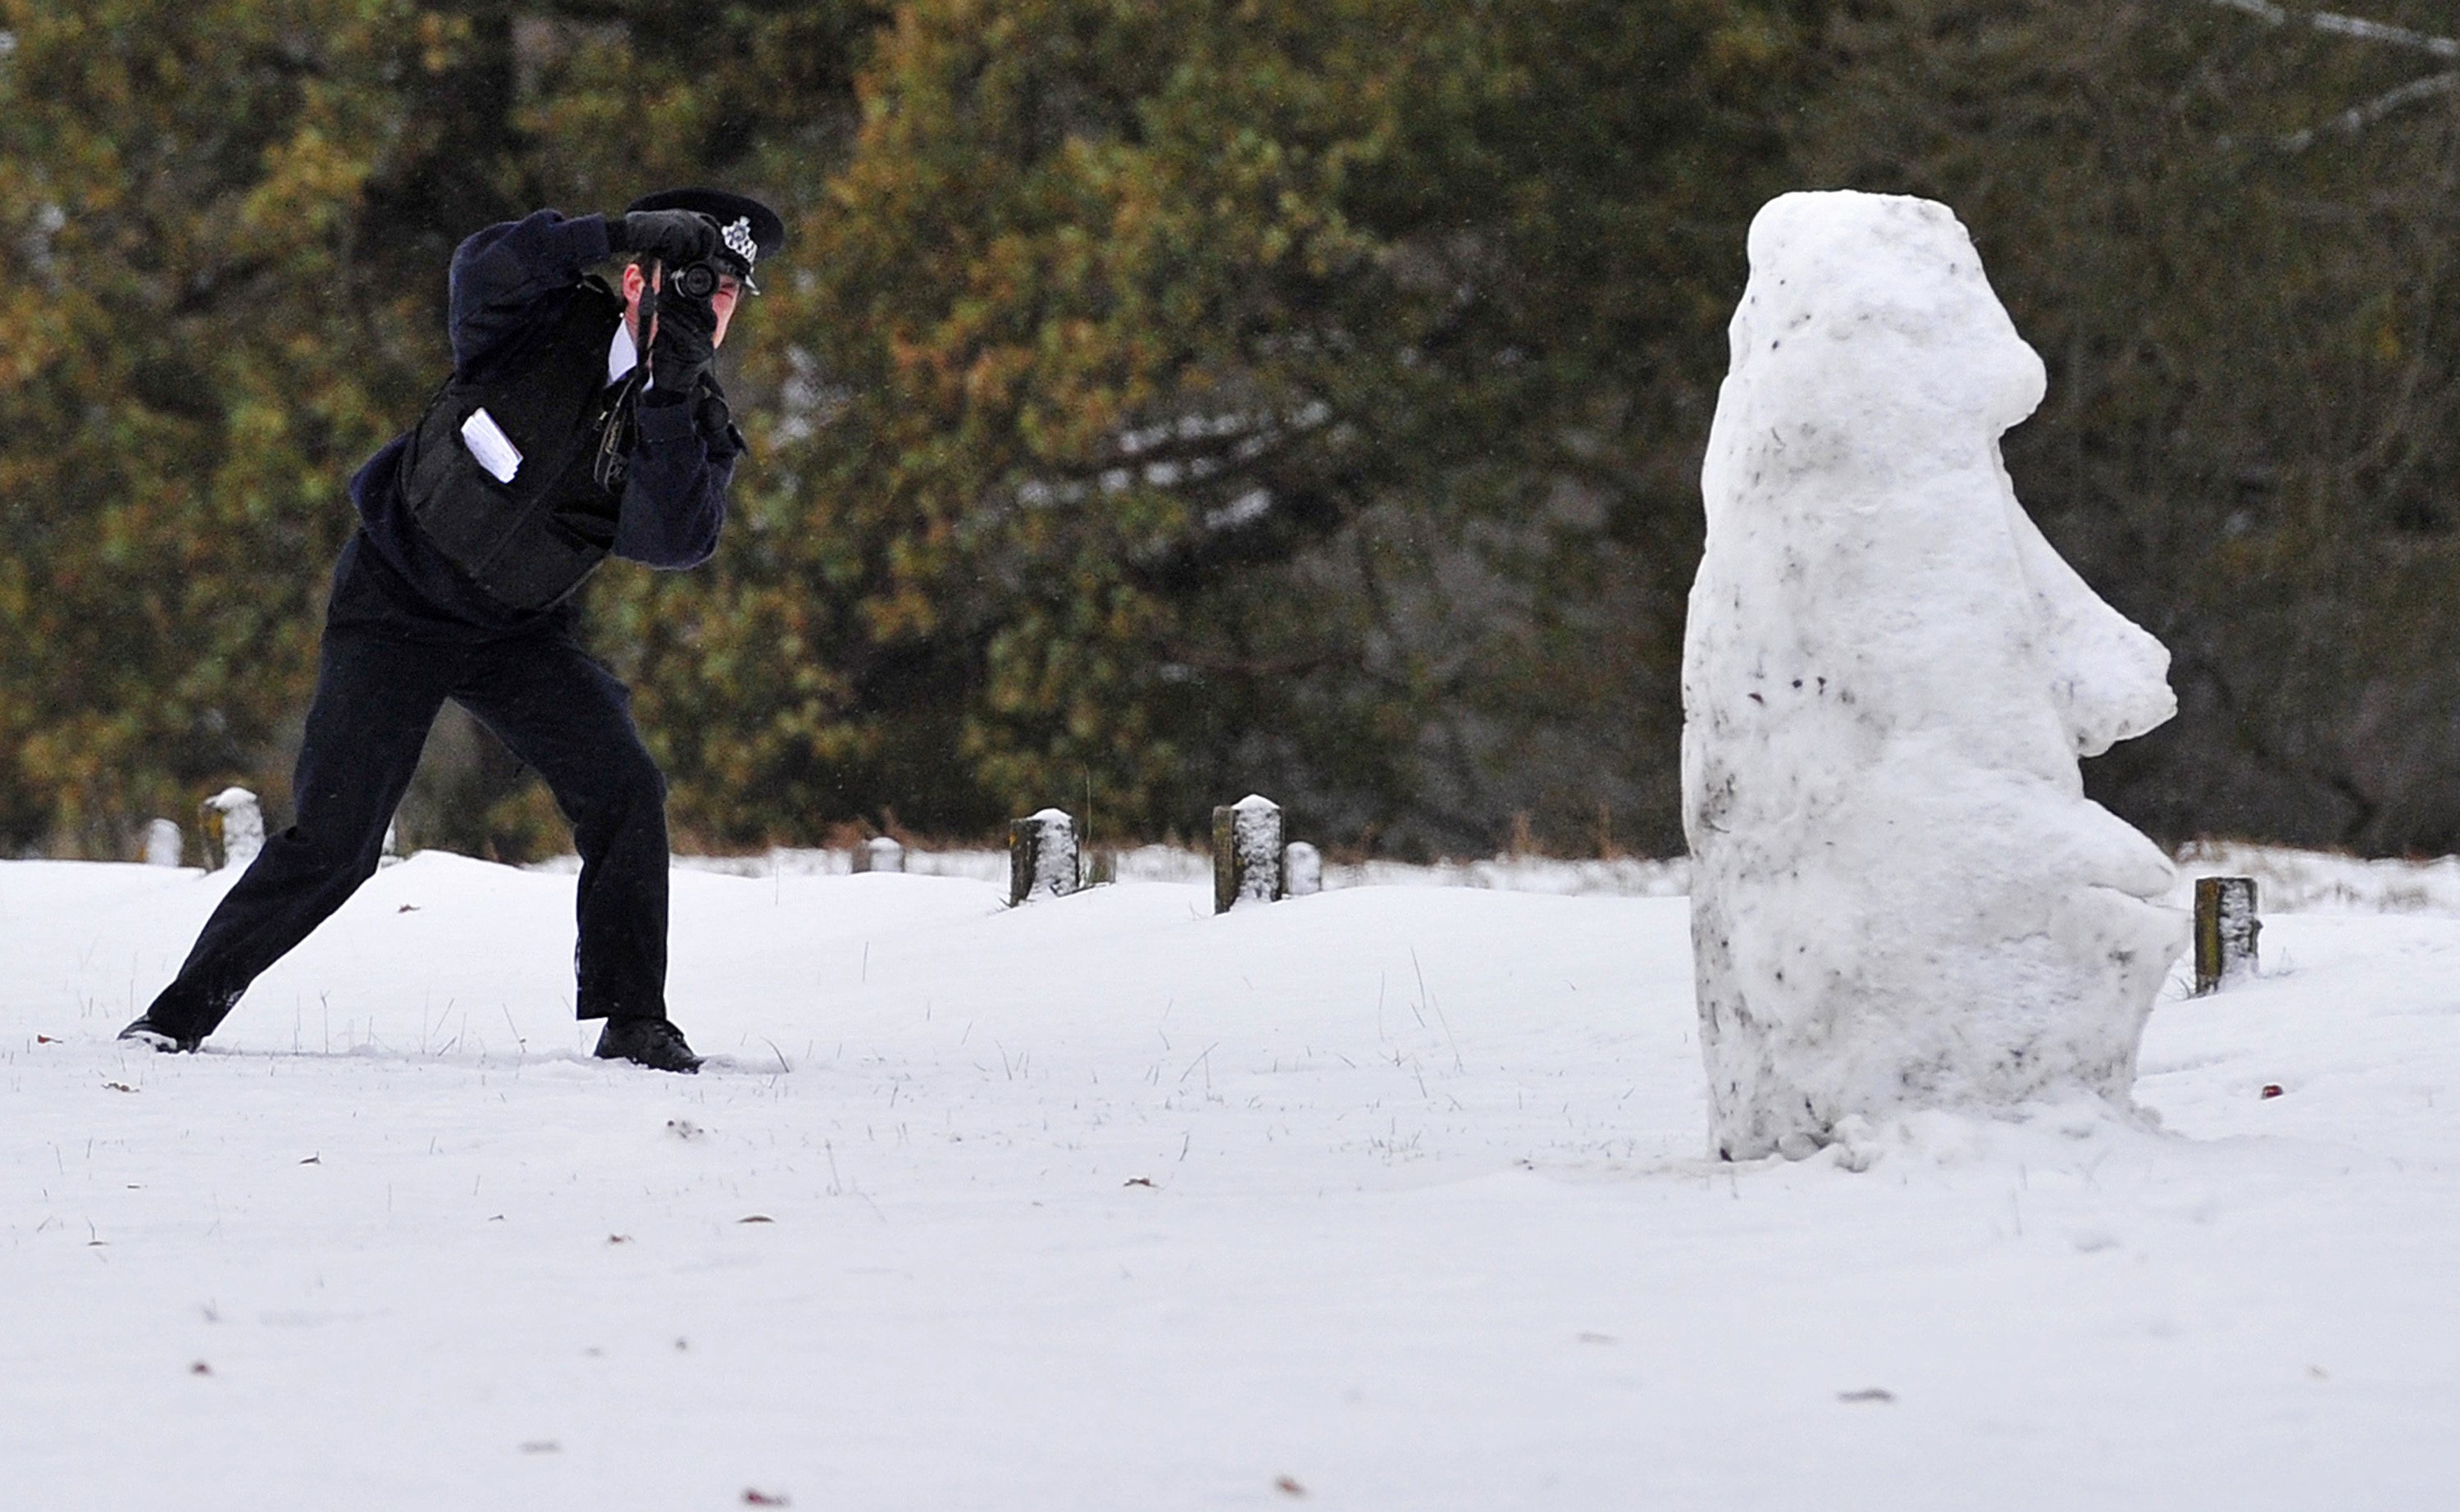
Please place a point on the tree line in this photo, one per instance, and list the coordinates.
(1163, 400)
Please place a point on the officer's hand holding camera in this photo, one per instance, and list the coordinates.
(674, 237)
(682, 345)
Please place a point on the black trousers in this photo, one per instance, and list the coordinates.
(384, 672)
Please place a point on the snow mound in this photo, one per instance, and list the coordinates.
(1901, 897)
(2051, 1132)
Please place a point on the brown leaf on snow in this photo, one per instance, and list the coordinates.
(1289, 1488)
(46, 1039)
(119, 1086)
(619, 1239)
(755, 1218)
(762, 1499)
(1141, 1180)
(201, 1368)
(2271, 1088)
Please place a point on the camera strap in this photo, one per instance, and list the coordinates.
(611, 457)
(654, 275)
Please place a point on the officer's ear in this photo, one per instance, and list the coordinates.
(628, 286)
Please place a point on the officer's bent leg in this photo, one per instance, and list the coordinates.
(375, 698)
(571, 719)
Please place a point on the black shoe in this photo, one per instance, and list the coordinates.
(146, 1032)
(651, 1042)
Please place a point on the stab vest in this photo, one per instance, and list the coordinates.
(529, 543)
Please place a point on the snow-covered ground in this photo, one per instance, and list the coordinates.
(1387, 1198)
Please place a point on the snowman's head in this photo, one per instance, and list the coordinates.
(1872, 311)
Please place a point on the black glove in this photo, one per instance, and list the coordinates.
(685, 343)
(674, 237)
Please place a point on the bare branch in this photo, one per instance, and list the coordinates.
(2349, 26)
(2357, 117)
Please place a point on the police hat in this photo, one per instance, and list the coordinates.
(747, 229)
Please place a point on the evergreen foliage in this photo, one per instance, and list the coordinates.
(1161, 401)
(1139, 344)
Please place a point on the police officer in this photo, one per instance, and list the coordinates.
(557, 442)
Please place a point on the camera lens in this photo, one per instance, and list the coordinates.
(698, 282)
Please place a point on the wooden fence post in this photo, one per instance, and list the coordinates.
(2225, 931)
(1246, 853)
(233, 825)
(1042, 856)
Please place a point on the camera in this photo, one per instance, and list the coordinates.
(694, 280)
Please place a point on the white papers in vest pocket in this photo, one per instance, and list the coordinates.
(491, 446)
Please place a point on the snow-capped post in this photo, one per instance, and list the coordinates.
(1042, 856)
(880, 853)
(2225, 931)
(1302, 870)
(162, 844)
(1900, 897)
(233, 825)
(1246, 852)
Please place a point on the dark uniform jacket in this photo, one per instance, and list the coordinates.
(515, 284)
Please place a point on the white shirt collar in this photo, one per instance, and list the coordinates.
(622, 357)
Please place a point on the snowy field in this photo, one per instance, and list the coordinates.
(1390, 1198)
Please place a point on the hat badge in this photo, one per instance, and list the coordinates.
(737, 236)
